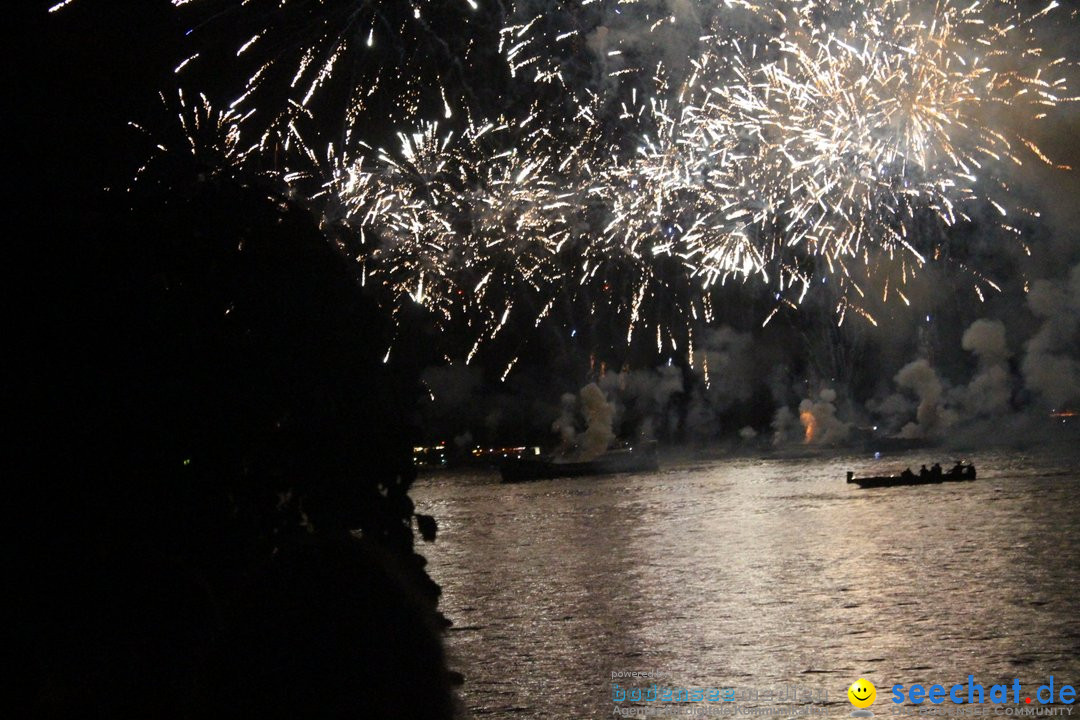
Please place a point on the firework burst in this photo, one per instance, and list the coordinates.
(820, 139)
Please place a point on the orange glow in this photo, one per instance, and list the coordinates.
(810, 422)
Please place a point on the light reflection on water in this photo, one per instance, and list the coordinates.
(756, 573)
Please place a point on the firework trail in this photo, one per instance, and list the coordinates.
(208, 139)
(878, 128)
(820, 139)
(445, 222)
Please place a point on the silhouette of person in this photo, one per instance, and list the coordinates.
(923, 472)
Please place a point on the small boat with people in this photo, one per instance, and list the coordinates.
(926, 476)
(628, 459)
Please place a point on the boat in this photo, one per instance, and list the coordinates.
(630, 459)
(959, 473)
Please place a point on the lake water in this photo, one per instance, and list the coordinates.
(752, 573)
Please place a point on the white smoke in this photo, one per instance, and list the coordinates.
(783, 425)
(894, 411)
(599, 418)
(820, 424)
(726, 362)
(936, 406)
(644, 397)
(931, 415)
(655, 33)
(989, 392)
(566, 424)
(1050, 366)
(986, 338)
(702, 421)
(816, 424)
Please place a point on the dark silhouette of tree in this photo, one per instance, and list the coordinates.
(219, 463)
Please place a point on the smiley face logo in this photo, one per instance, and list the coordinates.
(862, 693)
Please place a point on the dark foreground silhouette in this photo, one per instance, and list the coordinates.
(216, 463)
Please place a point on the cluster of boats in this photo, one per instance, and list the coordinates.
(643, 458)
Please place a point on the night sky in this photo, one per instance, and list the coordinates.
(88, 70)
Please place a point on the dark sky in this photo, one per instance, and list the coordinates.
(80, 75)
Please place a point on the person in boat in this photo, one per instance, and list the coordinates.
(907, 474)
(935, 470)
(958, 469)
(923, 472)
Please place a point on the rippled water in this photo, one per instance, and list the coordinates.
(756, 573)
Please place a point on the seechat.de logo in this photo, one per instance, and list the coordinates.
(972, 692)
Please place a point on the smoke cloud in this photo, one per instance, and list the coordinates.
(643, 400)
(783, 426)
(930, 414)
(816, 424)
(599, 419)
(989, 392)
(990, 383)
(819, 420)
(1050, 367)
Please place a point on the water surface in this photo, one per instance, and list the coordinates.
(756, 573)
